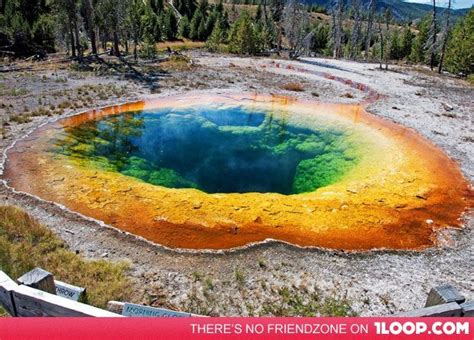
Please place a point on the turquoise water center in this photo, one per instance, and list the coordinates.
(215, 149)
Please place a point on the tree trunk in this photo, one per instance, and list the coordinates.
(445, 38)
(90, 25)
(355, 29)
(433, 37)
(387, 37)
(370, 21)
(73, 44)
(76, 33)
(135, 52)
(337, 22)
(116, 44)
(382, 45)
(126, 43)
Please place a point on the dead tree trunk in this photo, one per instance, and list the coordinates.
(445, 38)
(355, 29)
(388, 16)
(337, 28)
(432, 47)
(382, 44)
(370, 21)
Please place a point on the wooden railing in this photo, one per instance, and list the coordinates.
(444, 300)
(34, 294)
(22, 300)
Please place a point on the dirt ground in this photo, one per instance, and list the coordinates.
(256, 280)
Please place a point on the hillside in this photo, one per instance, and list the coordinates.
(401, 10)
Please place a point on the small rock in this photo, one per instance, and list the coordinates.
(447, 107)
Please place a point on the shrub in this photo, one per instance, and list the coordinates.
(296, 87)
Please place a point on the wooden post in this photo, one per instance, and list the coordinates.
(32, 302)
(448, 309)
(468, 308)
(7, 286)
(40, 279)
(115, 307)
(443, 294)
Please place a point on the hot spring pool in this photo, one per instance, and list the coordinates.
(216, 172)
(229, 149)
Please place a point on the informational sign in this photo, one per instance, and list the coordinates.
(131, 309)
(69, 291)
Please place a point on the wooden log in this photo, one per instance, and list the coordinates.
(444, 294)
(40, 279)
(448, 309)
(7, 286)
(32, 302)
(467, 308)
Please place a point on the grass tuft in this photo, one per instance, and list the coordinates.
(294, 302)
(295, 87)
(26, 244)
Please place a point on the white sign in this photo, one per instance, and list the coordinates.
(68, 291)
(131, 309)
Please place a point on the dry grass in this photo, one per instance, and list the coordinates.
(179, 45)
(20, 118)
(26, 244)
(296, 87)
(176, 63)
(470, 79)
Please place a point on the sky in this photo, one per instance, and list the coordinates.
(443, 3)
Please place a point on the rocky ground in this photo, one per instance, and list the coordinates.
(271, 278)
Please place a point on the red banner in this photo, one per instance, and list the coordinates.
(236, 328)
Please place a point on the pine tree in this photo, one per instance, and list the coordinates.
(195, 23)
(201, 33)
(242, 37)
(460, 49)
(418, 51)
(134, 23)
(211, 20)
(149, 47)
(184, 27)
(151, 25)
(216, 38)
(258, 15)
(170, 25)
(220, 7)
(395, 45)
(406, 43)
(320, 38)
